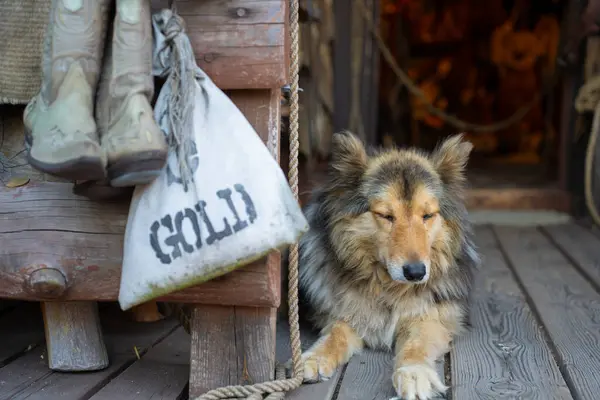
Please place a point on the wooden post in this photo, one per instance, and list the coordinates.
(74, 337)
(231, 346)
(342, 70)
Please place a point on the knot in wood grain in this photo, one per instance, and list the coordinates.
(48, 283)
(210, 57)
(241, 12)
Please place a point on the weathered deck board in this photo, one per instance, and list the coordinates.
(581, 245)
(505, 354)
(29, 377)
(161, 374)
(567, 304)
(368, 372)
(371, 373)
(322, 390)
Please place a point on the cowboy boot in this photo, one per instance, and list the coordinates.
(135, 146)
(60, 130)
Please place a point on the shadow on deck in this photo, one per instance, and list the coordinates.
(536, 335)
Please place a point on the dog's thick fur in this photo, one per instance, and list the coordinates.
(376, 214)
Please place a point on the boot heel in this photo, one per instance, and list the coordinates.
(138, 169)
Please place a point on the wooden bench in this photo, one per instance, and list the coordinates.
(65, 251)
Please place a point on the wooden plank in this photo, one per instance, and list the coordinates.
(369, 376)
(231, 346)
(22, 330)
(342, 69)
(161, 374)
(88, 249)
(370, 76)
(322, 390)
(519, 199)
(581, 246)
(240, 44)
(29, 377)
(567, 305)
(505, 353)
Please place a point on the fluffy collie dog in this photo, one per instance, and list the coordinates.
(388, 260)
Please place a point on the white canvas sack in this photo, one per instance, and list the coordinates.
(223, 206)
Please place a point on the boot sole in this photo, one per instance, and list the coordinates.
(79, 169)
(82, 168)
(139, 169)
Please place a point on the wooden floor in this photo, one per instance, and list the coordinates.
(536, 335)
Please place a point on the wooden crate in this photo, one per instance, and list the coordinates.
(58, 247)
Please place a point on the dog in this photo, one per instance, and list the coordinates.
(388, 260)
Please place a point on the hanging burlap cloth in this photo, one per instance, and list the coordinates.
(22, 28)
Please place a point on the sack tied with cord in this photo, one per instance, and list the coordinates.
(222, 200)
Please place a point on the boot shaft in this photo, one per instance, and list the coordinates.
(135, 146)
(75, 34)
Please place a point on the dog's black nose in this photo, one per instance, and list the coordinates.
(414, 271)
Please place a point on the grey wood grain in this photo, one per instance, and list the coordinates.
(161, 374)
(74, 338)
(369, 376)
(504, 355)
(309, 391)
(566, 303)
(29, 377)
(581, 245)
(231, 346)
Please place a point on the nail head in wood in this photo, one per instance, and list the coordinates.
(47, 283)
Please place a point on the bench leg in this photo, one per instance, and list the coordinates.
(74, 337)
(231, 346)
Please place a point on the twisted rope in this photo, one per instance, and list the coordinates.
(276, 388)
(588, 100)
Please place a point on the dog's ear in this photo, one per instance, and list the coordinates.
(450, 159)
(348, 155)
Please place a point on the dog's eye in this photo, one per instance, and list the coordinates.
(386, 216)
(427, 217)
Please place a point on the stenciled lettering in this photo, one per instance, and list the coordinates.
(213, 235)
(164, 258)
(250, 209)
(177, 241)
(226, 195)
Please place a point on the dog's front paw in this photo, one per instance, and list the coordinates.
(418, 381)
(318, 368)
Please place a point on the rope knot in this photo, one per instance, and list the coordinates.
(170, 24)
(174, 27)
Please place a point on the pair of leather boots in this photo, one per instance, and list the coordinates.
(92, 119)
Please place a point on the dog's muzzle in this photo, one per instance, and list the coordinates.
(413, 272)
